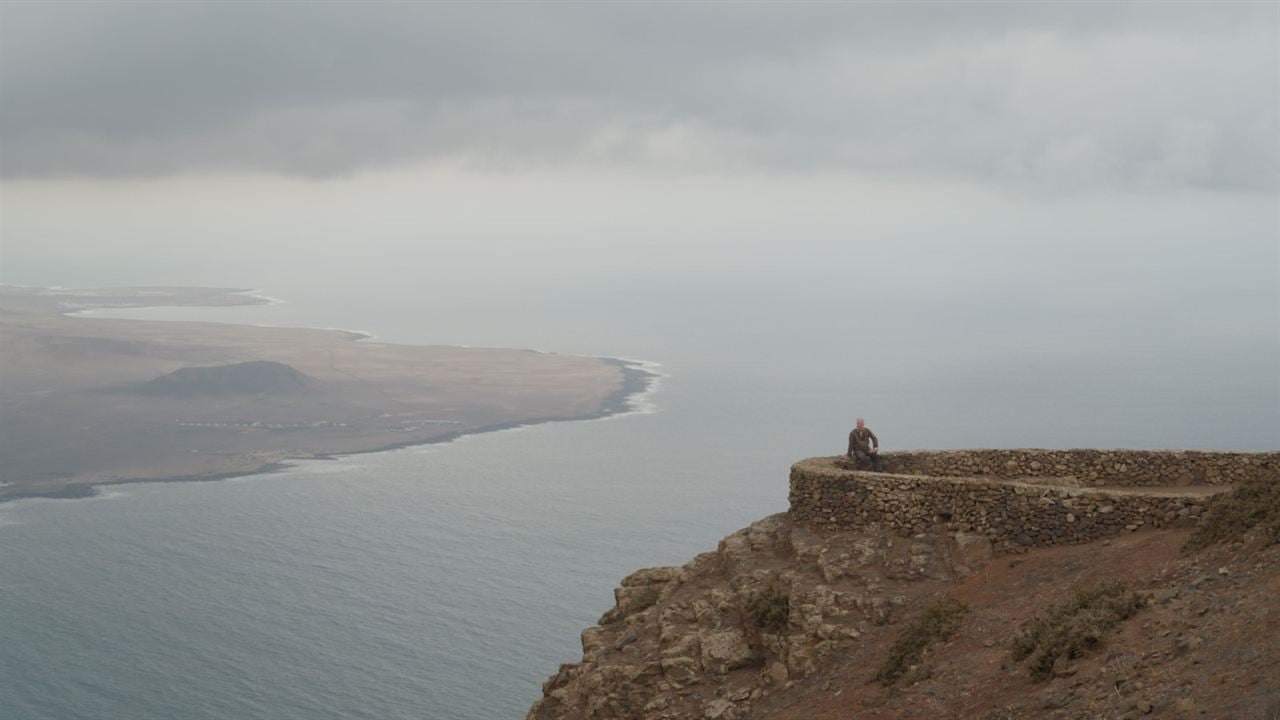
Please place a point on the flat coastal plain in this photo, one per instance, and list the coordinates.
(87, 401)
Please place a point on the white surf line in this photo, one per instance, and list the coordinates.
(259, 294)
(642, 403)
(107, 313)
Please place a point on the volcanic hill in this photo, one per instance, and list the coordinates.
(256, 377)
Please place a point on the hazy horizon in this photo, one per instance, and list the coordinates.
(983, 224)
(994, 195)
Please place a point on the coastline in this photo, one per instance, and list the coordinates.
(639, 379)
(250, 298)
(637, 382)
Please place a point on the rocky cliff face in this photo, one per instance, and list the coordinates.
(788, 621)
(772, 605)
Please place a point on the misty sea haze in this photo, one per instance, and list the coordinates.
(447, 581)
(975, 224)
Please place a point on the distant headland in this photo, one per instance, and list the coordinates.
(86, 400)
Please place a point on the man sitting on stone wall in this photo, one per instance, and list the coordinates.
(864, 448)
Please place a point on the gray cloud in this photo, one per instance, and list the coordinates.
(1059, 96)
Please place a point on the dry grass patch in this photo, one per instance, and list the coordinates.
(1075, 627)
(1252, 504)
(938, 622)
(770, 609)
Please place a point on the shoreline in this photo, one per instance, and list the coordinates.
(257, 297)
(637, 382)
(640, 378)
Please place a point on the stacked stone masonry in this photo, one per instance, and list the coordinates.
(1122, 468)
(1021, 498)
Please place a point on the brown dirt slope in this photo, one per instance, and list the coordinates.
(684, 643)
(1207, 646)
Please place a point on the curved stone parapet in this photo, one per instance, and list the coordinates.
(1119, 468)
(1020, 498)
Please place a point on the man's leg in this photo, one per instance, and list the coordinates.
(877, 463)
(861, 459)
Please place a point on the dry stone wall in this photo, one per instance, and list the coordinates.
(1014, 514)
(1122, 468)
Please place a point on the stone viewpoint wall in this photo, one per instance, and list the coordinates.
(1032, 510)
(1123, 468)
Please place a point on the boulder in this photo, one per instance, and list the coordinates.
(971, 552)
(725, 650)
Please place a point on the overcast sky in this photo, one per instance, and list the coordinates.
(1069, 206)
(1057, 97)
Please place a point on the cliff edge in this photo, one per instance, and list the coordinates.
(977, 599)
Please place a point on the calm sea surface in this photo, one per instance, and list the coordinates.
(447, 582)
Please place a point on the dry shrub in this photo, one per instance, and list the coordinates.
(1253, 503)
(770, 608)
(1075, 627)
(938, 622)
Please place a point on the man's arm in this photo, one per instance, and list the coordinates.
(875, 441)
(849, 452)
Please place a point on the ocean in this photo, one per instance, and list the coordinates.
(446, 582)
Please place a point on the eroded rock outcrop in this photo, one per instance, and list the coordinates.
(774, 603)
(794, 617)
